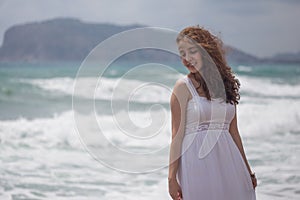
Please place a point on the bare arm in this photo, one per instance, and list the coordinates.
(233, 129)
(178, 103)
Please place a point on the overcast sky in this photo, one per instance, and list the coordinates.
(259, 27)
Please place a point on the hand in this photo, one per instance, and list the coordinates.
(174, 189)
(254, 180)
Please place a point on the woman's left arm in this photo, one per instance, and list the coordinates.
(234, 132)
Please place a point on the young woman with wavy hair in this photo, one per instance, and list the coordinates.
(207, 158)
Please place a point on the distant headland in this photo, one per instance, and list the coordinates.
(68, 39)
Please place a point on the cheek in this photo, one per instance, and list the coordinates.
(199, 57)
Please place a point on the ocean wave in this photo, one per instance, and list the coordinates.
(49, 156)
(151, 92)
(266, 117)
(60, 131)
(266, 87)
(40, 132)
(50, 159)
(107, 89)
(256, 117)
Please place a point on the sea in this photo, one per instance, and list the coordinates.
(66, 135)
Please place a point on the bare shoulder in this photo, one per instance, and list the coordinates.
(180, 90)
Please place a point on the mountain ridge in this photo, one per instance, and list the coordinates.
(70, 39)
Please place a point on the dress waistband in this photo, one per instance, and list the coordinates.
(207, 126)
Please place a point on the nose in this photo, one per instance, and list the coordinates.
(188, 57)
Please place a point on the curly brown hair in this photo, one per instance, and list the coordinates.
(213, 54)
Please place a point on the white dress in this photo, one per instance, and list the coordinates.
(211, 166)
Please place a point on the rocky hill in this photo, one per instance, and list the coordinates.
(67, 39)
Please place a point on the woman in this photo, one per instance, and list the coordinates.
(207, 159)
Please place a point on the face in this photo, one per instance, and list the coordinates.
(190, 55)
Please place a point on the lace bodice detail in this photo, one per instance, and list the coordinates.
(215, 113)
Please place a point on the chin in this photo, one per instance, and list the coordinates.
(193, 70)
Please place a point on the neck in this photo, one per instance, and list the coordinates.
(197, 76)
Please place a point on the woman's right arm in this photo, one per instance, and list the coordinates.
(178, 103)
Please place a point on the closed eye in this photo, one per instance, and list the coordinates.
(193, 50)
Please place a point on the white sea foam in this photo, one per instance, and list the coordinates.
(139, 91)
(43, 158)
(40, 132)
(264, 87)
(46, 153)
(255, 117)
(108, 88)
(37, 151)
(257, 112)
(60, 130)
(268, 116)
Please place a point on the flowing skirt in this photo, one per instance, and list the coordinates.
(221, 175)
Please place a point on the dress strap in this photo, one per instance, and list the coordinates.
(191, 86)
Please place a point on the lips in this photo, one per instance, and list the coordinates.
(188, 64)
